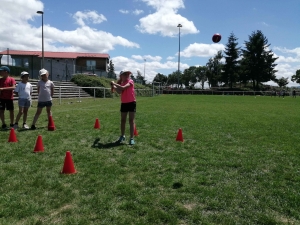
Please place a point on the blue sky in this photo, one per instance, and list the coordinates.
(143, 34)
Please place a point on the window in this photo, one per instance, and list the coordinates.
(91, 64)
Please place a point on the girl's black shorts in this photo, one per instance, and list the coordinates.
(128, 107)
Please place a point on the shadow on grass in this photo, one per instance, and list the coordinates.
(4, 130)
(97, 144)
(177, 185)
(22, 129)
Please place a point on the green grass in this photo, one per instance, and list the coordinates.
(239, 164)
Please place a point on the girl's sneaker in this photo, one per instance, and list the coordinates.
(131, 141)
(25, 126)
(121, 139)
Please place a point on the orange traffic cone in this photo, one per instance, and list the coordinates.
(39, 147)
(12, 136)
(135, 133)
(97, 124)
(179, 135)
(51, 125)
(68, 164)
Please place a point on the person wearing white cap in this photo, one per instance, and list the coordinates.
(7, 86)
(45, 88)
(24, 91)
(125, 86)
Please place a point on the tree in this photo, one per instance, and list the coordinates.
(209, 71)
(231, 67)
(200, 74)
(214, 68)
(282, 82)
(161, 78)
(188, 76)
(258, 62)
(173, 78)
(132, 78)
(140, 78)
(296, 77)
(111, 70)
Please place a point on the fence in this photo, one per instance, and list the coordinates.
(106, 92)
(154, 92)
(214, 92)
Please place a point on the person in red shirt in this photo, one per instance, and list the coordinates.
(7, 86)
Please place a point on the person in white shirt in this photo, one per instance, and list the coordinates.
(45, 89)
(24, 91)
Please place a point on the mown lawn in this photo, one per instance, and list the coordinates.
(239, 163)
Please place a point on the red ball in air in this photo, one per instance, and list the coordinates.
(216, 38)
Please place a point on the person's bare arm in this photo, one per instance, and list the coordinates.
(121, 88)
(52, 92)
(8, 88)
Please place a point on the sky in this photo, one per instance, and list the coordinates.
(142, 35)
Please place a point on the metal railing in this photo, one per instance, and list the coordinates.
(214, 92)
(138, 92)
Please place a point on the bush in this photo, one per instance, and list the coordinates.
(91, 81)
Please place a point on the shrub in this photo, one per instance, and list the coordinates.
(91, 81)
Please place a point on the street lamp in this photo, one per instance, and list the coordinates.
(144, 68)
(41, 12)
(179, 25)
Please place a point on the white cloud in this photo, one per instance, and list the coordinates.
(165, 20)
(170, 57)
(137, 57)
(165, 4)
(123, 11)
(287, 59)
(285, 70)
(18, 34)
(85, 39)
(288, 62)
(151, 67)
(88, 16)
(152, 58)
(289, 51)
(137, 12)
(147, 58)
(264, 24)
(201, 50)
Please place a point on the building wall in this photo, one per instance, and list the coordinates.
(100, 69)
(60, 69)
(101, 64)
(31, 63)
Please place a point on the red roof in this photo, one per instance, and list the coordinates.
(62, 55)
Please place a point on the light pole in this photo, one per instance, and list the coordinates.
(144, 68)
(41, 12)
(179, 25)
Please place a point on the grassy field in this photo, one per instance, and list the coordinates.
(239, 164)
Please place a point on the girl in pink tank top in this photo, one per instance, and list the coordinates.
(125, 87)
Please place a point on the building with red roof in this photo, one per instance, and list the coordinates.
(61, 65)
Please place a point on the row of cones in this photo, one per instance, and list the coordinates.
(13, 137)
(68, 167)
(51, 126)
(97, 126)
